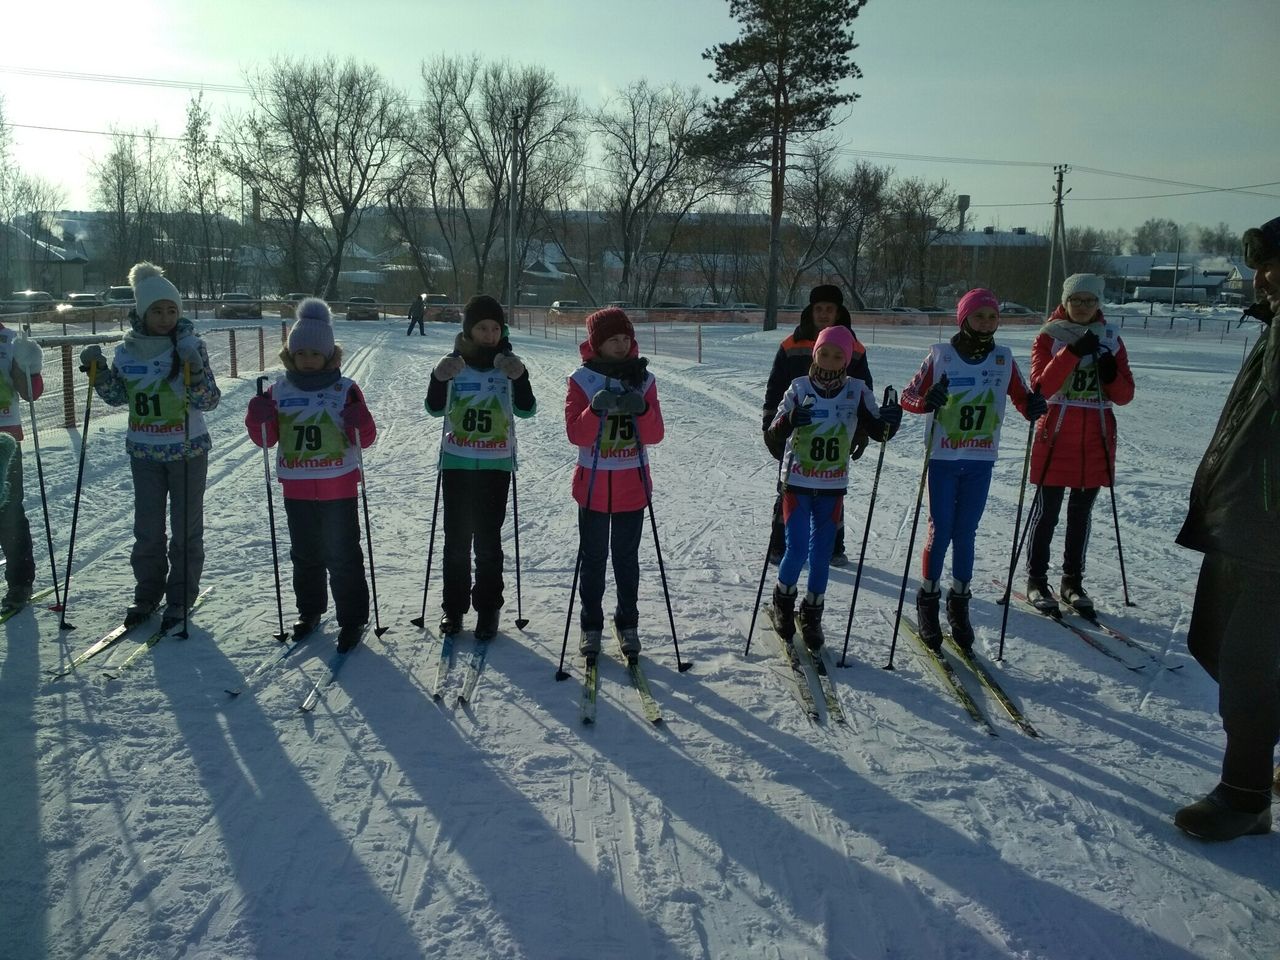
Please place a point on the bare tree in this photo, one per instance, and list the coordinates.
(131, 187)
(866, 197)
(203, 200)
(819, 212)
(922, 213)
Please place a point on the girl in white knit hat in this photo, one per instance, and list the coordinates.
(161, 371)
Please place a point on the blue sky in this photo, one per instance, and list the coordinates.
(1168, 90)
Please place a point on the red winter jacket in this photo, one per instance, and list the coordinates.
(1078, 458)
(615, 491)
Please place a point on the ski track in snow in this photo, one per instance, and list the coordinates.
(154, 817)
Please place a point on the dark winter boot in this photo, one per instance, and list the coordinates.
(958, 618)
(629, 641)
(1219, 817)
(589, 643)
(809, 620)
(349, 636)
(1275, 784)
(173, 617)
(19, 596)
(486, 624)
(927, 604)
(838, 557)
(1041, 597)
(1071, 592)
(783, 613)
(139, 611)
(304, 626)
(450, 623)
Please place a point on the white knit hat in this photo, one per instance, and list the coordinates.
(1084, 283)
(149, 286)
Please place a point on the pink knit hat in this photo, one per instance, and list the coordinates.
(973, 301)
(839, 337)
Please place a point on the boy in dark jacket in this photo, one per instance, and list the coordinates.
(1234, 520)
(826, 308)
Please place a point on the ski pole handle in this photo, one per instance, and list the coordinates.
(890, 396)
(261, 381)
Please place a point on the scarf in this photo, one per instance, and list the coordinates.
(827, 382)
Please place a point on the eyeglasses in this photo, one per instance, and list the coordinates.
(1083, 301)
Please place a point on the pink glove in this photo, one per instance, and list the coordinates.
(262, 410)
(356, 417)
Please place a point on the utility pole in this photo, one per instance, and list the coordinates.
(1058, 233)
(512, 298)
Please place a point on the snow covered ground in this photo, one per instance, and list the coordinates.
(155, 817)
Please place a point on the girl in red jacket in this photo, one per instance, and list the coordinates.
(611, 414)
(1081, 366)
(318, 416)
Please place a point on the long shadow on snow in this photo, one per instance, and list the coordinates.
(304, 894)
(817, 872)
(482, 817)
(23, 871)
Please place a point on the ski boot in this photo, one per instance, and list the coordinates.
(486, 624)
(349, 636)
(173, 617)
(630, 643)
(304, 626)
(1275, 784)
(589, 644)
(1071, 592)
(958, 618)
(1217, 817)
(783, 612)
(1041, 597)
(927, 603)
(809, 620)
(450, 623)
(838, 557)
(139, 611)
(19, 596)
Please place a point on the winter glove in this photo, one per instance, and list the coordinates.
(189, 353)
(860, 440)
(936, 398)
(605, 401)
(90, 355)
(1086, 345)
(509, 365)
(356, 419)
(891, 417)
(801, 414)
(448, 368)
(1037, 406)
(1107, 368)
(262, 410)
(631, 403)
(27, 356)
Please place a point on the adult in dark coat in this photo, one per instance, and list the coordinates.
(1234, 520)
(417, 314)
(795, 354)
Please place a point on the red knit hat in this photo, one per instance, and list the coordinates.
(607, 323)
(974, 301)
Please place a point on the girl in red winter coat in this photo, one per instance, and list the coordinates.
(1081, 366)
(317, 417)
(611, 414)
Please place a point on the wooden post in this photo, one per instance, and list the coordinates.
(284, 333)
(235, 375)
(262, 350)
(68, 392)
(699, 343)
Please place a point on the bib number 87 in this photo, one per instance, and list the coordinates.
(972, 416)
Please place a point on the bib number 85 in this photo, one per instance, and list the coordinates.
(477, 420)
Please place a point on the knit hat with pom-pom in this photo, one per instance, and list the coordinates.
(313, 329)
(150, 286)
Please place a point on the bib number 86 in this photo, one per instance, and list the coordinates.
(824, 448)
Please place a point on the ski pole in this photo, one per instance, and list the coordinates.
(75, 507)
(1015, 549)
(911, 543)
(521, 622)
(561, 673)
(44, 499)
(755, 610)
(271, 522)
(378, 628)
(186, 499)
(681, 665)
(1107, 455)
(890, 396)
(421, 620)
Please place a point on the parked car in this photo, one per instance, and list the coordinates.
(746, 306)
(441, 309)
(621, 304)
(363, 308)
(670, 305)
(29, 301)
(708, 305)
(290, 303)
(236, 305)
(1014, 309)
(790, 306)
(117, 296)
(81, 300)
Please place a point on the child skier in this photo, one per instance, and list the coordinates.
(20, 363)
(826, 308)
(317, 417)
(962, 386)
(813, 434)
(611, 413)
(1081, 364)
(161, 370)
(478, 389)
